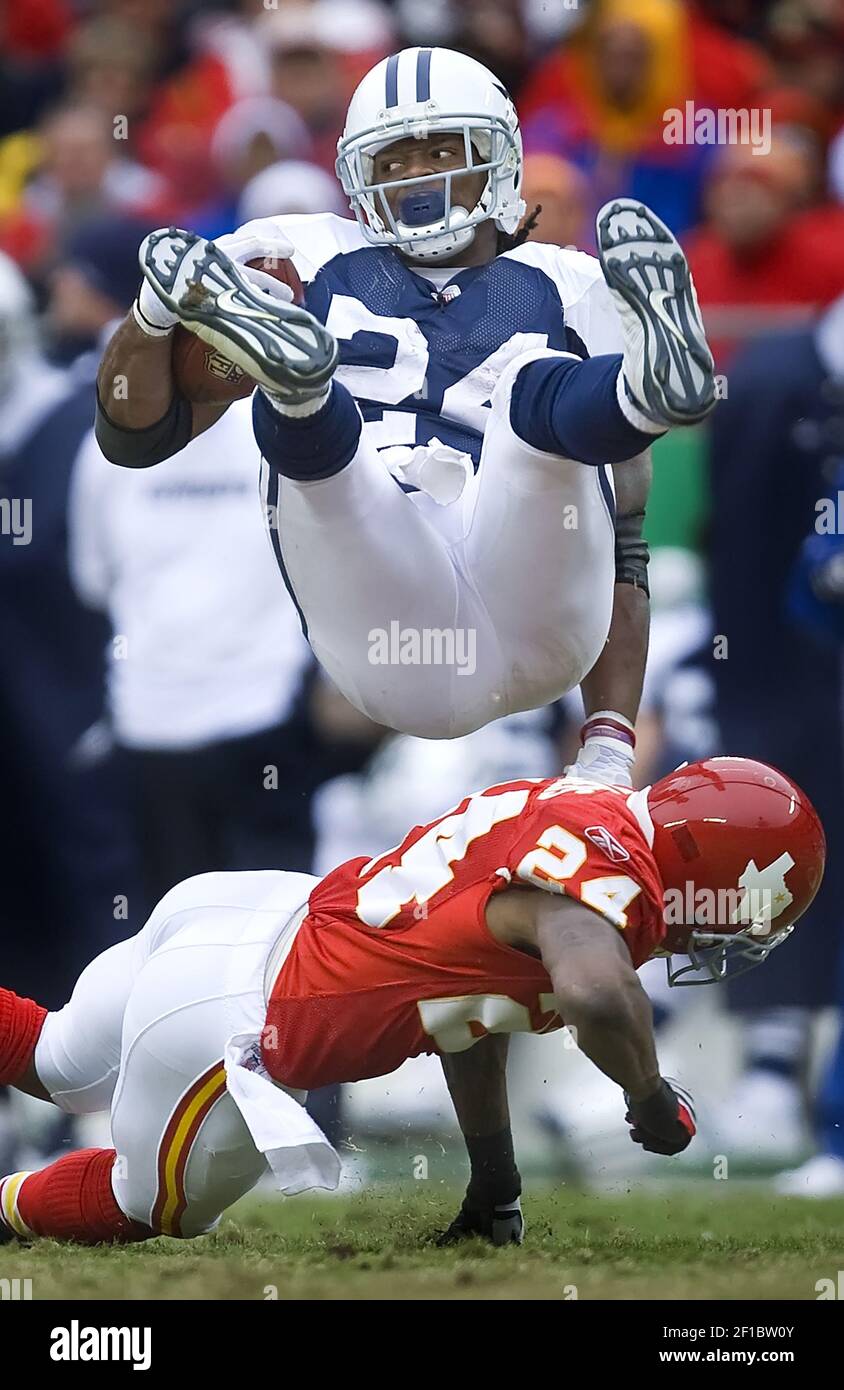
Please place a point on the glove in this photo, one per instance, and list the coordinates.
(259, 240)
(597, 762)
(664, 1123)
(501, 1225)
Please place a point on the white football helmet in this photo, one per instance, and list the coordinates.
(419, 92)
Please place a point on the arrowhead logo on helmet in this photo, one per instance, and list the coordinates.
(422, 92)
(741, 852)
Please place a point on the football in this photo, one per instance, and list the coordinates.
(202, 373)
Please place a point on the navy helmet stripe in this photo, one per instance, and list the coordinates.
(423, 75)
(393, 80)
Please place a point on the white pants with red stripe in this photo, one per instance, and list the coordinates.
(144, 1036)
(497, 602)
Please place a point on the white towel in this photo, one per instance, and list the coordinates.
(295, 1147)
(436, 469)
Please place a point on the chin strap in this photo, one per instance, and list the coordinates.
(437, 248)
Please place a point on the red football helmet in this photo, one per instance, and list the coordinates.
(741, 852)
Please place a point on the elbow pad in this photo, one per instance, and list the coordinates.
(151, 445)
(631, 552)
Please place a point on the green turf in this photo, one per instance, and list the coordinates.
(703, 1244)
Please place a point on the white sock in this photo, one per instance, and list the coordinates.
(150, 329)
(632, 412)
(301, 409)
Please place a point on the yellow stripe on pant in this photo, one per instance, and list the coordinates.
(176, 1144)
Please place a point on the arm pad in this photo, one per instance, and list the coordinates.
(153, 444)
(631, 552)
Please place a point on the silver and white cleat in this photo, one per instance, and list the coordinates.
(283, 347)
(668, 367)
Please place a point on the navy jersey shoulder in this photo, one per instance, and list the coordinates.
(409, 348)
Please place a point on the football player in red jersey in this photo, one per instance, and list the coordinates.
(529, 905)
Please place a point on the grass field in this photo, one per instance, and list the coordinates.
(673, 1245)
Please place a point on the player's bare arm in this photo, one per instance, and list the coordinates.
(142, 418)
(614, 685)
(135, 382)
(597, 990)
(615, 681)
(602, 1002)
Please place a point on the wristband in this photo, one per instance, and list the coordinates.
(631, 552)
(145, 447)
(608, 723)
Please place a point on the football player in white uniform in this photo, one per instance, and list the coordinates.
(436, 423)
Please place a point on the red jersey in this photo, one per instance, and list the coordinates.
(395, 958)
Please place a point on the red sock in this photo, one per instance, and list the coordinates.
(21, 1021)
(70, 1200)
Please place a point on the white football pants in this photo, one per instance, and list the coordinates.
(143, 1036)
(434, 620)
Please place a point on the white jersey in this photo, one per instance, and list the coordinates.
(422, 351)
(206, 644)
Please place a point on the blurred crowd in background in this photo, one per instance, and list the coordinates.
(160, 712)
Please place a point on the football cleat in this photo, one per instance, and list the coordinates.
(500, 1225)
(668, 367)
(280, 345)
